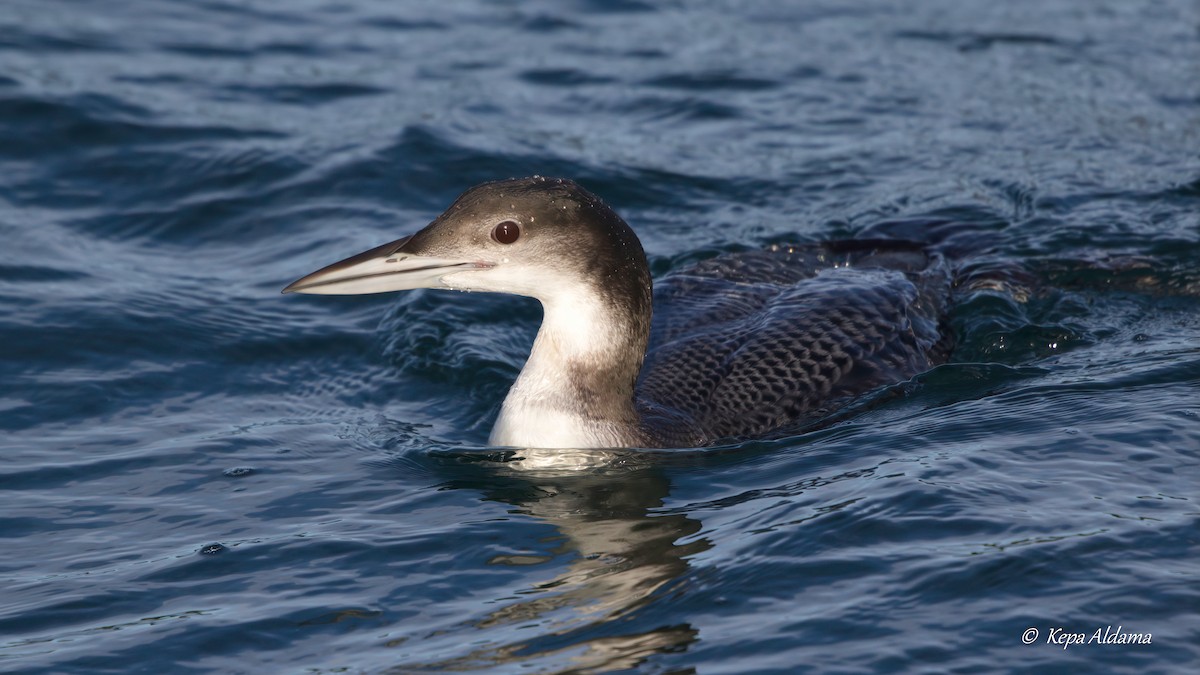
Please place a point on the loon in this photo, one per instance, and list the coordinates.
(734, 347)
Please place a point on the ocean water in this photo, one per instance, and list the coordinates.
(201, 475)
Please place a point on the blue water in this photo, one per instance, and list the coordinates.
(201, 475)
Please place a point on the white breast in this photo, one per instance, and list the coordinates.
(530, 426)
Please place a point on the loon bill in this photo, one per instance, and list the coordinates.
(737, 346)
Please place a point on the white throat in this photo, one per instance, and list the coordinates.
(543, 408)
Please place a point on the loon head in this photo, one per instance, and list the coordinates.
(552, 240)
(538, 237)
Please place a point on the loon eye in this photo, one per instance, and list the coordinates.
(506, 232)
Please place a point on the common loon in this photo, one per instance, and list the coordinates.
(737, 346)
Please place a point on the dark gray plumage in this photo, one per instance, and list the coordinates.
(748, 343)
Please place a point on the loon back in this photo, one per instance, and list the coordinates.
(749, 343)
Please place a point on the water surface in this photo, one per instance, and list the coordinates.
(202, 475)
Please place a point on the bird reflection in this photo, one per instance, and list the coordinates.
(622, 555)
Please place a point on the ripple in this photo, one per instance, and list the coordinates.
(708, 81)
(306, 94)
(18, 38)
(563, 77)
(969, 41)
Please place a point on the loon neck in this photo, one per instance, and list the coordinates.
(577, 387)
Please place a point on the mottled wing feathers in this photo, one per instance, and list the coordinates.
(785, 337)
